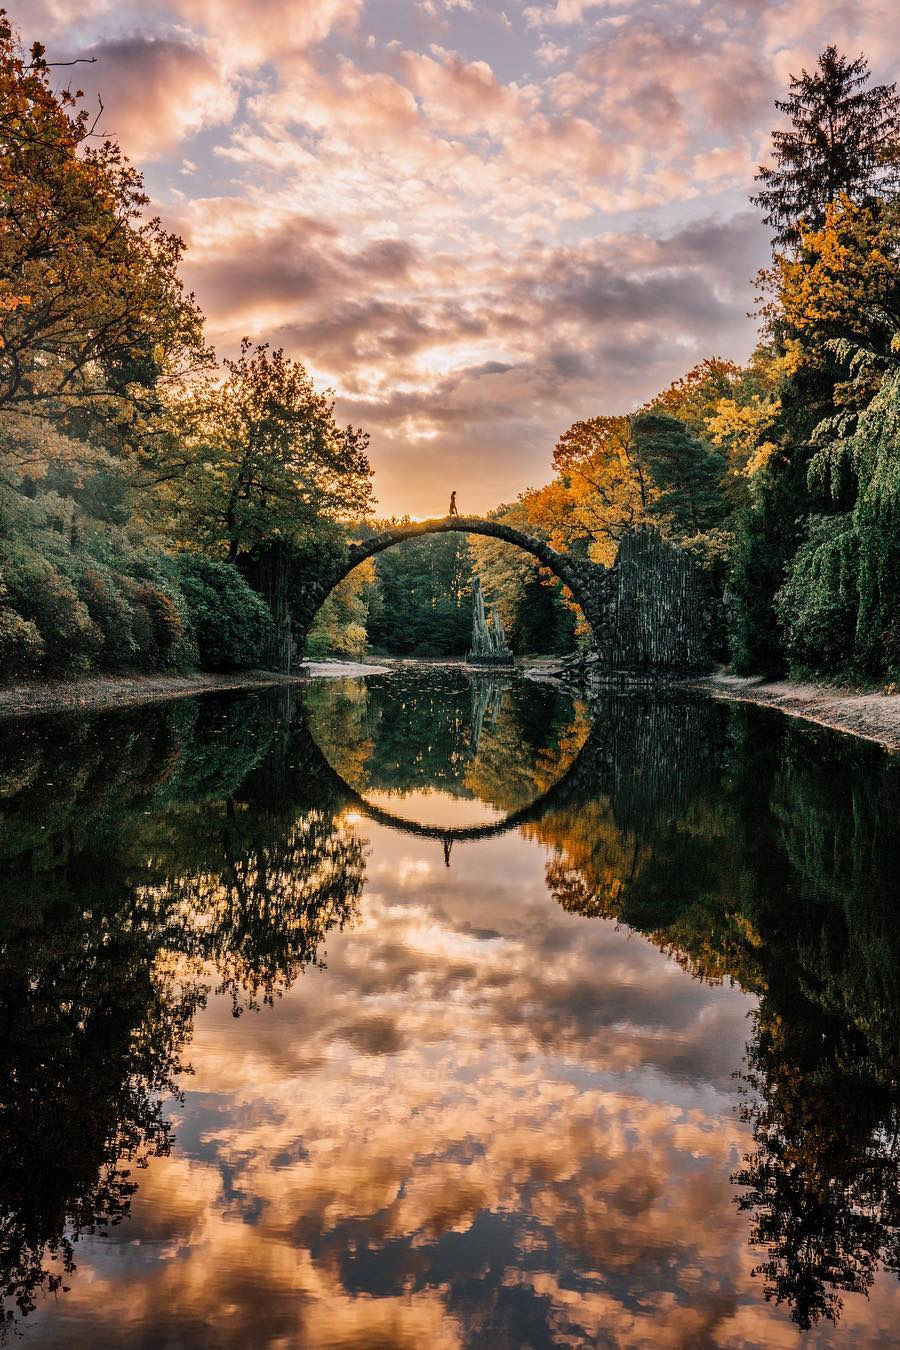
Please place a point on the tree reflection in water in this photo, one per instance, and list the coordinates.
(144, 860)
(686, 800)
(148, 860)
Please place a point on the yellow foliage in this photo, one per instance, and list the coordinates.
(694, 397)
(741, 428)
(89, 286)
(506, 571)
(340, 626)
(602, 491)
(741, 422)
(843, 282)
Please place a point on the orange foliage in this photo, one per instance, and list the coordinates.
(602, 491)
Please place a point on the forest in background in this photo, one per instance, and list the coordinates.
(147, 486)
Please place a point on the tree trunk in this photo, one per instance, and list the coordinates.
(274, 587)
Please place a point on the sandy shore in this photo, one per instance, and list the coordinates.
(33, 698)
(871, 715)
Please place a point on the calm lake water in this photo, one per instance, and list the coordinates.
(436, 1010)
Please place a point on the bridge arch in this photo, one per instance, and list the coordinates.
(585, 579)
(578, 778)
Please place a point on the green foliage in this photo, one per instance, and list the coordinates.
(75, 598)
(876, 452)
(537, 619)
(114, 450)
(230, 622)
(45, 597)
(340, 626)
(815, 571)
(844, 138)
(266, 458)
(423, 588)
(687, 472)
(839, 607)
(542, 625)
(21, 645)
(817, 606)
(159, 633)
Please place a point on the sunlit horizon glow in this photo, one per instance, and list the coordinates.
(476, 223)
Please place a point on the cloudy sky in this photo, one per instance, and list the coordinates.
(477, 220)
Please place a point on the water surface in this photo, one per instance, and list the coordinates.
(436, 1010)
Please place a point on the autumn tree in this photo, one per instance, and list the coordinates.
(538, 612)
(94, 320)
(844, 286)
(844, 140)
(603, 489)
(693, 398)
(741, 421)
(831, 307)
(269, 460)
(341, 625)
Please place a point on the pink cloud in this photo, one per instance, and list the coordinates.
(156, 93)
(542, 217)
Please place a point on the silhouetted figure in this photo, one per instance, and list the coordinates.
(448, 843)
(453, 511)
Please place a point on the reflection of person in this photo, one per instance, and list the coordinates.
(448, 844)
(453, 511)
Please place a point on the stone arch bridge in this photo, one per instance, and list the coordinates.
(648, 613)
(585, 579)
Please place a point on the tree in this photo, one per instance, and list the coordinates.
(686, 471)
(421, 604)
(603, 490)
(845, 286)
(839, 605)
(267, 476)
(94, 321)
(694, 397)
(340, 626)
(528, 597)
(844, 140)
(741, 421)
(269, 462)
(832, 197)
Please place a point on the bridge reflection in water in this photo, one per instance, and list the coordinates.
(204, 852)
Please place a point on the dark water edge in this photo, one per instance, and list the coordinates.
(637, 973)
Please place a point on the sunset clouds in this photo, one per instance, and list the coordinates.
(476, 221)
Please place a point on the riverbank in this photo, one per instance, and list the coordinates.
(873, 715)
(41, 697)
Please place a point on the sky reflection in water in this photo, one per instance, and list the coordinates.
(478, 1095)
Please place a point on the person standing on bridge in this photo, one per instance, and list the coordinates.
(453, 511)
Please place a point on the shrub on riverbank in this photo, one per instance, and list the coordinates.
(232, 625)
(78, 597)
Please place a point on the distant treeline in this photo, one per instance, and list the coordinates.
(416, 599)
